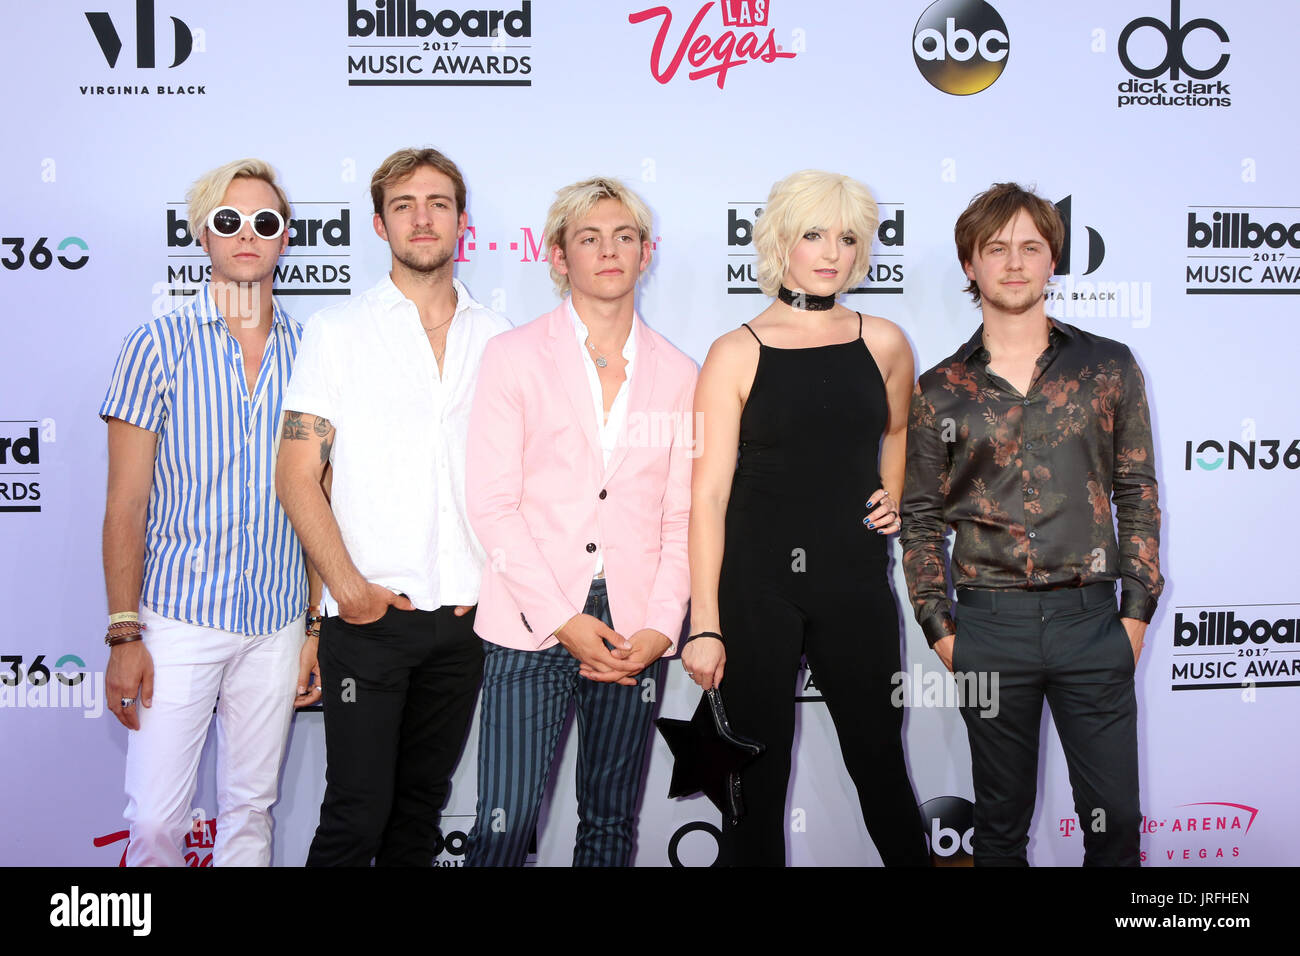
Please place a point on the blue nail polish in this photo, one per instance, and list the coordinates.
(866, 521)
(871, 524)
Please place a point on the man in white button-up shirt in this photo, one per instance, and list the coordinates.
(382, 390)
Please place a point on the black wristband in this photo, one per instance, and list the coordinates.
(713, 634)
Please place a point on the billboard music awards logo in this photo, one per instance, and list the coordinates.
(884, 277)
(745, 38)
(318, 260)
(1171, 62)
(1243, 250)
(1193, 833)
(960, 46)
(448, 47)
(109, 30)
(1235, 647)
(20, 459)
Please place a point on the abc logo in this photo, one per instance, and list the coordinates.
(700, 850)
(453, 843)
(960, 46)
(949, 830)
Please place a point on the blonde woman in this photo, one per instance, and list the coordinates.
(787, 537)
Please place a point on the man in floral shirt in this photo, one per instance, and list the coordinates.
(1021, 441)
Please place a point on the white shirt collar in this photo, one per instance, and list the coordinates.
(390, 295)
(581, 331)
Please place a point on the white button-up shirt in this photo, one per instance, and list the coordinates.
(399, 449)
(610, 428)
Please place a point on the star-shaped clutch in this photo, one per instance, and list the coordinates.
(709, 755)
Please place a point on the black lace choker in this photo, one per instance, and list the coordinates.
(805, 300)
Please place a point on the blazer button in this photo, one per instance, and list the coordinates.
(603, 494)
(591, 547)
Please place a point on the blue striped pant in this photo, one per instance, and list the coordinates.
(526, 696)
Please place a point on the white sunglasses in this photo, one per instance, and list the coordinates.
(227, 221)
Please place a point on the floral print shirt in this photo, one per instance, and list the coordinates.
(1027, 481)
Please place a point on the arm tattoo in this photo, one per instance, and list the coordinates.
(294, 430)
(325, 432)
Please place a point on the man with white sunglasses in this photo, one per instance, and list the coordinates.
(207, 585)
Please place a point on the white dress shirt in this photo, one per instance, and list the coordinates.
(401, 427)
(610, 427)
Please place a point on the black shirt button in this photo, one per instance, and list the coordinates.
(603, 493)
(591, 547)
(1025, 402)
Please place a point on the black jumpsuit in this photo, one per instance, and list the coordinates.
(802, 574)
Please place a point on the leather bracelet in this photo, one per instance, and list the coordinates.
(713, 634)
(113, 640)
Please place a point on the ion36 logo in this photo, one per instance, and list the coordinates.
(960, 46)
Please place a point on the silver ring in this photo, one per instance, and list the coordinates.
(128, 701)
(690, 675)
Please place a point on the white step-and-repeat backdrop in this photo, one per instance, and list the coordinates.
(1164, 131)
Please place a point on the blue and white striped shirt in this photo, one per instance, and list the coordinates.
(219, 549)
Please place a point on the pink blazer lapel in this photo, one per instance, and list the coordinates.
(638, 397)
(572, 377)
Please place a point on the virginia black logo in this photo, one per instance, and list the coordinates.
(145, 54)
(960, 46)
(1096, 247)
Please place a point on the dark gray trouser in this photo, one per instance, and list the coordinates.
(1070, 647)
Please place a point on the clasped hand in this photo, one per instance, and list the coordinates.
(586, 637)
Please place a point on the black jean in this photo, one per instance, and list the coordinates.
(1069, 648)
(398, 699)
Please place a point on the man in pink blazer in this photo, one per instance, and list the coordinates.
(578, 487)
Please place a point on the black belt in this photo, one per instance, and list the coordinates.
(1089, 595)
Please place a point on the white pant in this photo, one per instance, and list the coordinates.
(256, 678)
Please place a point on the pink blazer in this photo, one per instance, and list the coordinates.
(542, 501)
